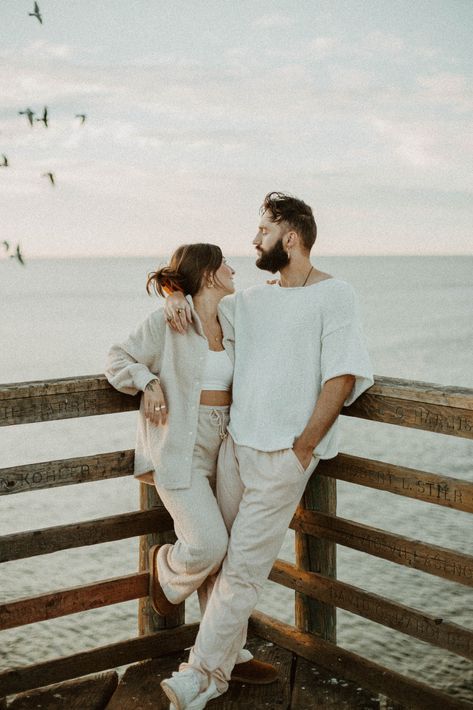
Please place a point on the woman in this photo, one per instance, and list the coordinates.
(186, 384)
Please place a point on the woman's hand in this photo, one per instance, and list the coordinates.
(178, 312)
(155, 404)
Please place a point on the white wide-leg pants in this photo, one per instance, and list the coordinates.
(192, 561)
(258, 493)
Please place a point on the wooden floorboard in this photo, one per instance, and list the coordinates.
(91, 692)
(314, 687)
(139, 687)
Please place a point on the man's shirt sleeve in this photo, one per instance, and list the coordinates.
(343, 348)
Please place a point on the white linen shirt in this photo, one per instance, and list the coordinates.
(179, 361)
(288, 343)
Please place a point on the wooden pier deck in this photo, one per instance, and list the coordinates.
(301, 686)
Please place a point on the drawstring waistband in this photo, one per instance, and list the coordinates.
(217, 416)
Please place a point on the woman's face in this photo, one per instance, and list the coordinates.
(224, 277)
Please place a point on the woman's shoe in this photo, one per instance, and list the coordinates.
(158, 599)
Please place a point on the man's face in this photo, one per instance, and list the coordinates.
(268, 243)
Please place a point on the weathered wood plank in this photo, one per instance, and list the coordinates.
(432, 559)
(317, 554)
(348, 665)
(92, 693)
(28, 402)
(139, 688)
(409, 482)
(418, 624)
(427, 392)
(30, 610)
(315, 687)
(416, 415)
(162, 643)
(66, 472)
(148, 620)
(432, 407)
(91, 532)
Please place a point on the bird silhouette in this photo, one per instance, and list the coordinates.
(51, 177)
(29, 113)
(18, 255)
(45, 117)
(82, 116)
(36, 13)
(6, 244)
(5, 161)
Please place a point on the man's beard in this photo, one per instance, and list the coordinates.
(274, 259)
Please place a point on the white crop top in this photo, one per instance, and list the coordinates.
(218, 371)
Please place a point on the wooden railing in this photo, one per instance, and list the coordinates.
(446, 410)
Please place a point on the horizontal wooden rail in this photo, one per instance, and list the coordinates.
(91, 532)
(348, 665)
(396, 616)
(162, 643)
(439, 561)
(429, 487)
(30, 610)
(441, 419)
(48, 400)
(65, 472)
(421, 405)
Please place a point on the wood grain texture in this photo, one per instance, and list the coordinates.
(92, 693)
(70, 601)
(432, 559)
(348, 665)
(91, 532)
(413, 414)
(16, 680)
(317, 554)
(48, 400)
(315, 687)
(429, 487)
(139, 688)
(66, 472)
(425, 627)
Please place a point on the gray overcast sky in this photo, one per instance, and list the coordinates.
(196, 109)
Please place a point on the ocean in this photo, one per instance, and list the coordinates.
(58, 319)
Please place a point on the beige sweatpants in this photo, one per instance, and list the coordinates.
(191, 563)
(258, 493)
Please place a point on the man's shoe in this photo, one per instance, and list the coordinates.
(254, 672)
(183, 690)
(158, 599)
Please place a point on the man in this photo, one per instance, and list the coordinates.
(299, 358)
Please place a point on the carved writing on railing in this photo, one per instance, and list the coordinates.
(64, 472)
(421, 485)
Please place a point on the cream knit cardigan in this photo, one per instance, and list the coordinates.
(179, 361)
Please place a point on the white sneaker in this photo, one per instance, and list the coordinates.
(183, 690)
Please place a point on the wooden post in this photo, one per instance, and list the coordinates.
(317, 555)
(148, 620)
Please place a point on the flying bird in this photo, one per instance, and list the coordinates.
(5, 161)
(18, 255)
(29, 113)
(45, 117)
(36, 13)
(82, 116)
(51, 177)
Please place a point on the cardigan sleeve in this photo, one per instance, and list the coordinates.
(131, 365)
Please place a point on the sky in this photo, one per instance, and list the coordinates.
(196, 109)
